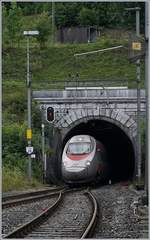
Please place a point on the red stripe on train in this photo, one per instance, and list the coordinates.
(77, 157)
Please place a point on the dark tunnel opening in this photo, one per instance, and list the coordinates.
(120, 151)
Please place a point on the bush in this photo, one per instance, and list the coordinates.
(15, 179)
(13, 144)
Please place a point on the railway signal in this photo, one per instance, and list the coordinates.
(50, 114)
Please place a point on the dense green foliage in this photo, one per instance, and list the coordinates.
(103, 14)
(51, 62)
(14, 142)
(43, 26)
(14, 178)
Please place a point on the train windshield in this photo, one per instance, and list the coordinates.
(79, 148)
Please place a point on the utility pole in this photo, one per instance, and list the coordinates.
(148, 98)
(137, 46)
(147, 75)
(29, 149)
(29, 103)
(138, 74)
(43, 148)
(53, 21)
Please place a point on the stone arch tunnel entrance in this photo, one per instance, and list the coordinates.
(119, 147)
(108, 114)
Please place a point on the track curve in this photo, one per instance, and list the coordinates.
(74, 218)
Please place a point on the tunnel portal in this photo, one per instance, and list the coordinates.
(107, 114)
(119, 147)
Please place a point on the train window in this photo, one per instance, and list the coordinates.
(79, 148)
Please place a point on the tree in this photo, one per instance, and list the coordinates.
(44, 28)
(66, 14)
(5, 35)
(87, 17)
(14, 24)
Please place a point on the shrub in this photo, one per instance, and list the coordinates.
(15, 179)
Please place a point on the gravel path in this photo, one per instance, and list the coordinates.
(118, 213)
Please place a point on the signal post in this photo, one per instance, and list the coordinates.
(29, 148)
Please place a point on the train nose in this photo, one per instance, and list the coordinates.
(74, 175)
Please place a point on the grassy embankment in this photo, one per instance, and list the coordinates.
(14, 179)
(55, 62)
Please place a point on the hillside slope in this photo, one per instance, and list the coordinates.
(51, 64)
(56, 62)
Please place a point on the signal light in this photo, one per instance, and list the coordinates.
(50, 114)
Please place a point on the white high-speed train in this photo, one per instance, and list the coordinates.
(84, 160)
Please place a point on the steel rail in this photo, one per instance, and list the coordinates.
(21, 231)
(91, 226)
(30, 193)
(27, 199)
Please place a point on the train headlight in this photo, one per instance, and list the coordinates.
(88, 163)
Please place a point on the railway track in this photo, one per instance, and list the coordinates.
(10, 201)
(12, 196)
(22, 212)
(72, 215)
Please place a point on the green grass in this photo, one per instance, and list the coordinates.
(14, 179)
(55, 62)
